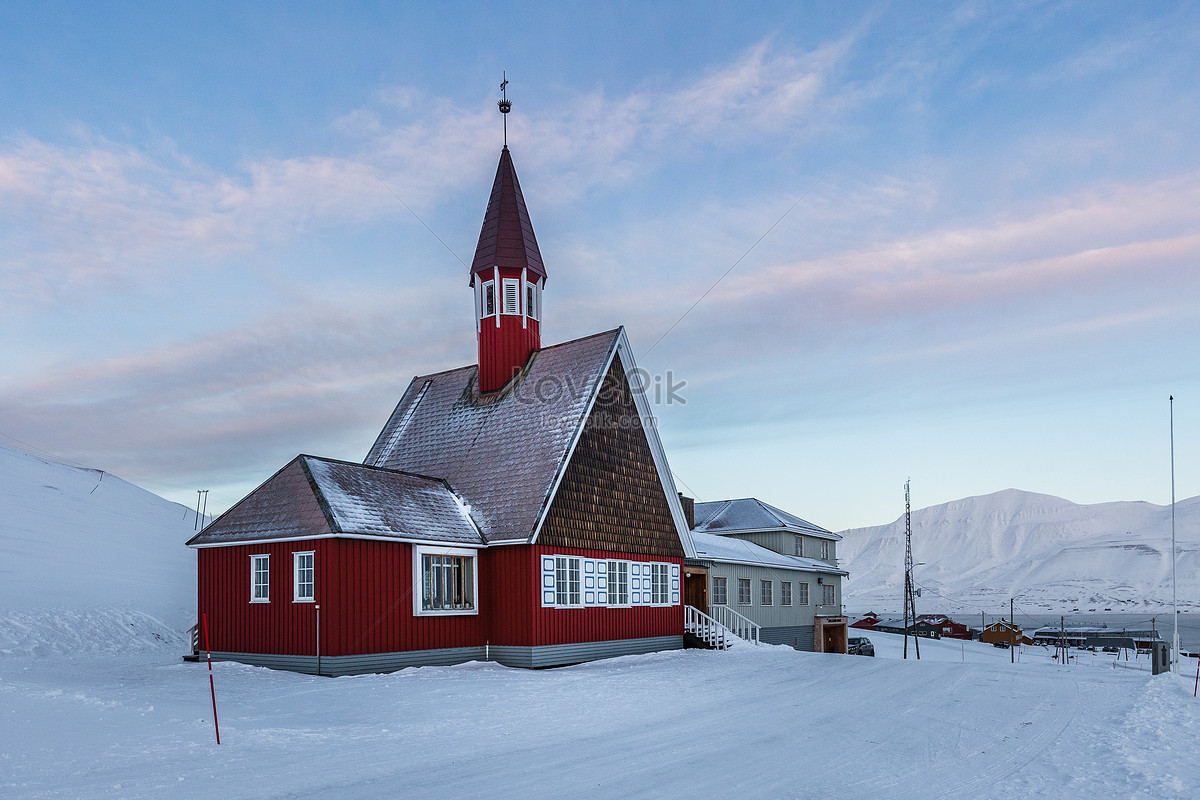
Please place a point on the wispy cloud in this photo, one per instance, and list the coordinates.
(101, 211)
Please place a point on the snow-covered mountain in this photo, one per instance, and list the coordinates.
(89, 561)
(1050, 553)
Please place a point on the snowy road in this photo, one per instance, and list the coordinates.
(764, 722)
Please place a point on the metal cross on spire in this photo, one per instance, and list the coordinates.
(505, 105)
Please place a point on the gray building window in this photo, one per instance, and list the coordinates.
(743, 591)
(720, 592)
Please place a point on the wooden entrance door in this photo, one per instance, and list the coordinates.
(695, 588)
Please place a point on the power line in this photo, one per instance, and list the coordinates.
(725, 274)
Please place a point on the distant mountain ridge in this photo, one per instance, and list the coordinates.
(1051, 554)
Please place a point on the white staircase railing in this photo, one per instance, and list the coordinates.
(705, 628)
(737, 624)
(719, 629)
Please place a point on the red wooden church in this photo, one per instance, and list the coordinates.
(518, 510)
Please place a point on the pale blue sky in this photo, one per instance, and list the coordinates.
(983, 270)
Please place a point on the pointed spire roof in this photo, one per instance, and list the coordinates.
(506, 239)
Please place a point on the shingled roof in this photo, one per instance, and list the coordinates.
(750, 514)
(505, 452)
(321, 497)
(506, 238)
(452, 464)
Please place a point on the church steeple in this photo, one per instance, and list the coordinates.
(507, 277)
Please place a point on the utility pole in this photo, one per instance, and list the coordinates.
(1174, 599)
(1012, 632)
(910, 603)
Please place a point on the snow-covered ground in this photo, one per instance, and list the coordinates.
(752, 722)
(95, 701)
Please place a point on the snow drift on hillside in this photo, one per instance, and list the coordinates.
(83, 550)
(1049, 551)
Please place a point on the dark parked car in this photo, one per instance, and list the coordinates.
(860, 646)
(1005, 645)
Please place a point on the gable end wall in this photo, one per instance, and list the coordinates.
(611, 497)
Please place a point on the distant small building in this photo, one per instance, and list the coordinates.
(1141, 638)
(868, 621)
(948, 628)
(1001, 631)
(922, 628)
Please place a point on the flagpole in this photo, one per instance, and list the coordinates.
(1174, 597)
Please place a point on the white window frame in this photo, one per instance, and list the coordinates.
(824, 549)
(828, 594)
(254, 572)
(720, 591)
(799, 546)
(618, 584)
(767, 592)
(510, 289)
(297, 557)
(418, 571)
(532, 301)
(802, 593)
(487, 290)
(744, 584)
(566, 596)
(785, 593)
(660, 584)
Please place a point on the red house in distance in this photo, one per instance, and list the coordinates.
(518, 510)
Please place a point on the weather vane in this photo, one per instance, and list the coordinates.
(505, 105)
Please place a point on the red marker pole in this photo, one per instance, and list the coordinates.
(211, 688)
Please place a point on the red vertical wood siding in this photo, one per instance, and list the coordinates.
(505, 349)
(517, 617)
(364, 589)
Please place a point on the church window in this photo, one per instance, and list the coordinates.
(512, 295)
(489, 298)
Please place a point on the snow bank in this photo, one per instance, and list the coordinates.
(88, 560)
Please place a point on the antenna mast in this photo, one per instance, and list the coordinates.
(910, 602)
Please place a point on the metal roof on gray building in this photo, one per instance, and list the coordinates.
(711, 547)
(750, 514)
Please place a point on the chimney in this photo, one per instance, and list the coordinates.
(689, 510)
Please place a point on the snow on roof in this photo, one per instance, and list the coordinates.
(751, 514)
(377, 502)
(501, 451)
(711, 547)
(320, 497)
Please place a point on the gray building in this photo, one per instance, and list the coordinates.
(771, 567)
